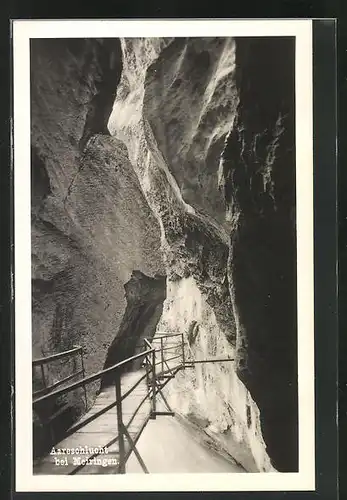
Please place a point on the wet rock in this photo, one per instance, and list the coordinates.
(145, 297)
(259, 177)
(91, 224)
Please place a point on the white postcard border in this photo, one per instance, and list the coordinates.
(23, 30)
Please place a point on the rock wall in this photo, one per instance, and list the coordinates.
(145, 297)
(191, 175)
(91, 225)
(259, 185)
(193, 84)
(210, 395)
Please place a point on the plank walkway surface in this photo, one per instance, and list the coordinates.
(101, 432)
(93, 445)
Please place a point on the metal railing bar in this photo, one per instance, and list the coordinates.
(128, 453)
(170, 343)
(159, 389)
(79, 467)
(178, 367)
(165, 334)
(149, 345)
(173, 346)
(173, 357)
(121, 442)
(157, 334)
(79, 426)
(54, 357)
(191, 363)
(114, 440)
(57, 384)
(129, 391)
(154, 379)
(137, 409)
(135, 450)
(163, 384)
(91, 378)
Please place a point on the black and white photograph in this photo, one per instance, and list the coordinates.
(164, 204)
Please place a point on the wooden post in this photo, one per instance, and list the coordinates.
(162, 353)
(83, 375)
(154, 383)
(146, 366)
(121, 465)
(183, 354)
(43, 376)
(51, 432)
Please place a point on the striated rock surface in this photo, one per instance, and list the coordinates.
(91, 225)
(259, 180)
(188, 204)
(145, 297)
(191, 175)
(210, 395)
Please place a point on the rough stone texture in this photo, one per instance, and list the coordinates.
(145, 297)
(170, 169)
(259, 177)
(200, 164)
(194, 78)
(211, 395)
(91, 225)
(193, 242)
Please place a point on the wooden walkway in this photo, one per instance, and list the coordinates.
(102, 440)
(101, 432)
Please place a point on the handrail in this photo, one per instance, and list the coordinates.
(55, 357)
(216, 360)
(148, 344)
(170, 347)
(169, 359)
(152, 389)
(78, 425)
(155, 382)
(57, 384)
(165, 334)
(91, 378)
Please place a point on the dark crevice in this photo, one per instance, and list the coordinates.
(259, 173)
(145, 297)
(46, 436)
(100, 107)
(64, 410)
(193, 332)
(40, 184)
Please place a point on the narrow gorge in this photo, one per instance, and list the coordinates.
(163, 199)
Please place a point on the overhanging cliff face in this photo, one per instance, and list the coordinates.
(192, 240)
(196, 181)
(214, 157)
(175, 138)
(145, 297)
(193, 80)
(259, 179)
(91, 225)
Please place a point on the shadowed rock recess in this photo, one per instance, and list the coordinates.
(259, 177)
(163, 198)
(145, 297)
(91, 224)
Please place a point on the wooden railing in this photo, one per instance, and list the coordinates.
(44, 361)
(158, 372)
(155, 378)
